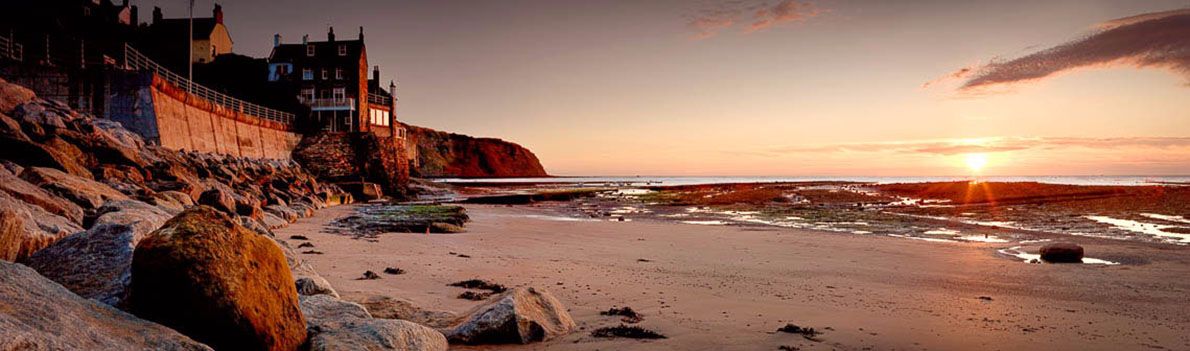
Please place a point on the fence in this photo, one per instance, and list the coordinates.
(11, 50)
(378, 99)
(133, 59)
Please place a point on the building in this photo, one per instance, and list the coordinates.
(331, 78)
(166, 38)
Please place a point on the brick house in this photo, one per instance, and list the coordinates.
(331, 78)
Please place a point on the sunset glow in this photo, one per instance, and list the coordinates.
(976, 162)
(711, 91)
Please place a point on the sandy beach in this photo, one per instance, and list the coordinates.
(731, 287)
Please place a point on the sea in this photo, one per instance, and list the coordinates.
(670, 180)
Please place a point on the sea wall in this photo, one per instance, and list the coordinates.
(167, 115)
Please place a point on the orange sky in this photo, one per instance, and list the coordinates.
(672, 87)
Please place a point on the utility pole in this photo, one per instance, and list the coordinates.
(190, 53)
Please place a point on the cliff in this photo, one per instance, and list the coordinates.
(442, 154)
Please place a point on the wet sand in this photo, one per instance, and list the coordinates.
(731, 287)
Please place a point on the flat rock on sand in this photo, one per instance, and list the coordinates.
(335, 324)
(394, 308)
(38, 314)
(217, 282)
(521, 315)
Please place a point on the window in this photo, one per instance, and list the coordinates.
(340, 94)
(307, 74)
(339, 73)
(342, 49)
(309, 50)
(324, 76)
(307, 94)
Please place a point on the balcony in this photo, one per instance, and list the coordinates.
(329, 104)
(377, 99)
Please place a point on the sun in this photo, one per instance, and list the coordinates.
(976, 162)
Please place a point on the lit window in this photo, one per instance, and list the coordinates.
(342, 50)
(339, 73)
(309, 50)
(307, 74)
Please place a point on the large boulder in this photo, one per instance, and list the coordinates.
(1062, 253)
(97, 263)
(374, 334)
(37, 229)
(12, 234)
(12, 95)
(217, 282)
(519, 316)
(32, 194)
(218, 199)
(145, 217)
(87, 193)
(389, 307)
(94, 264)
(38, 314)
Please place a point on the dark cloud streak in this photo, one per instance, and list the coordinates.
(1154, 40)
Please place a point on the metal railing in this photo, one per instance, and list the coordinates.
(133, 59)
(378, 99)
(11, 50)
(317, 103)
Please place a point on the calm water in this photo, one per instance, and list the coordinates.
(646, 180)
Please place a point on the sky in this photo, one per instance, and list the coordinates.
(776, 87)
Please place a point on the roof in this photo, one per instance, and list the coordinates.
(177, 27)
(323, 51)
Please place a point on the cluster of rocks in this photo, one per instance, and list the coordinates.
(109, 243)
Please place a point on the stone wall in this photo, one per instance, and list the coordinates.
(355, 157)
(168, 116)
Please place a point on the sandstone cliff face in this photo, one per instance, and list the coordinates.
(442, 154)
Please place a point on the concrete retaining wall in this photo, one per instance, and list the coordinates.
(166, 115)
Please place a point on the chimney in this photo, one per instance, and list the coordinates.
(361, 33)
(134, 16)
(277, 40)
(156, 14)
(376, 75)
(218, 14)
(306, 39)
(330, 34)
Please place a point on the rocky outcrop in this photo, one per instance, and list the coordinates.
(520, 316)
(217, 282)
(442, 154)
(38, 314)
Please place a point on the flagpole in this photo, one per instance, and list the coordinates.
(190, 52)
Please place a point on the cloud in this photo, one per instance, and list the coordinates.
(948, 147)
(1153, 40)
(783, 12)
(712, 20)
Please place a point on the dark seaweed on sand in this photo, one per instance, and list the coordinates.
(479, 284)
(630, 315)
(394, 271)
(474, 296)
(808, 333)
(624, 331)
